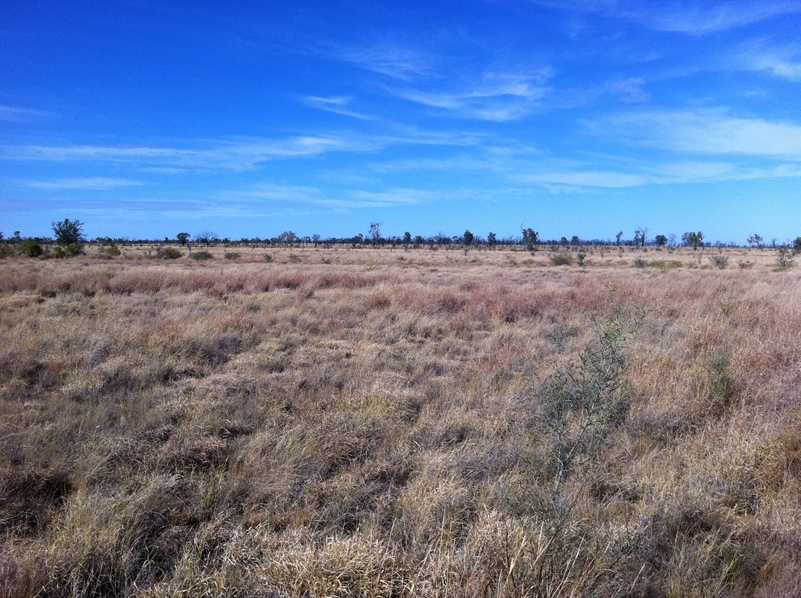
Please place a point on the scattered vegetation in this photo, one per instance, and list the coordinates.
(202, 255)
(438, 426)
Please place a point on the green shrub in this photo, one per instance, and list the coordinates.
(202, 256)
(268, 257)
(170, 253)
(561, 259)
(31, 248)
(113, 251)
(233, 255)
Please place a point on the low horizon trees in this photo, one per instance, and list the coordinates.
(694, 239)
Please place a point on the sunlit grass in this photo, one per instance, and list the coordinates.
(344, 422)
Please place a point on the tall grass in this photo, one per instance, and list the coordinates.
(364, 427)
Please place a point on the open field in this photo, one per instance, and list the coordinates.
(360, 422)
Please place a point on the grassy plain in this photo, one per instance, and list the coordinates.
(379, 422)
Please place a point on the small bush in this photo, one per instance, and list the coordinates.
(784, 260)
(31, 248)
(58, 251)
(202, 256)
(665, 265)
(233, 255)
(113, 251)
(720, 261)
(170, 253)
(268, 257)
(640, 262)
(561, 259)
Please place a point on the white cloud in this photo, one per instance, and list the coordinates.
(235, 154)
(495, 97)
(337, 105)
(782, 63)
(709, 131)
(691, 18)
(89, 183)
(394, 61)
(706, 18)
(21, 115)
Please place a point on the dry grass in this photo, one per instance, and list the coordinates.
(392, 423)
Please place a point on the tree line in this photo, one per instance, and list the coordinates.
(69, 240)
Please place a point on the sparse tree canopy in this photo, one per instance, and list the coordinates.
(206, 237)
(182, 238)
(375, 232)
(68, 232)
(530, 238)
(755, 240)
(660, 240)
(468, 238)
(696, 240)
(640, 236)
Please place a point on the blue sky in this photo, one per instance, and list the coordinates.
(147, 118)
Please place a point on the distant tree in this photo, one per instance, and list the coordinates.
(640, 236)
(797, 245)
(287, 238)
(205, 236)
(660, 240)
(418, 240)
(618, 237)
(316, 239)
(468, 238)
(183, 238)
(575, 241)
(375, 233)
(407, 238)
(564, 242)
(492, 240)
(69, 232)
(755, 240)
(530, 238)
(695, 240)
(442, 239)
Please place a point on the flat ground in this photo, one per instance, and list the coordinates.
(382, 422)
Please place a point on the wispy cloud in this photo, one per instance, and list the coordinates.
(689, 18)
(234, 154)
(337, 105)
(710, 131)
(394, 61)
(706, 18)
(21, 115)
(300, 196)
(90, 183)
(496, 97)
(784, 63)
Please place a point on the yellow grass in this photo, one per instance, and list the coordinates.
(380, 422)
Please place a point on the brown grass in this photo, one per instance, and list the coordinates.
(348, 423)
